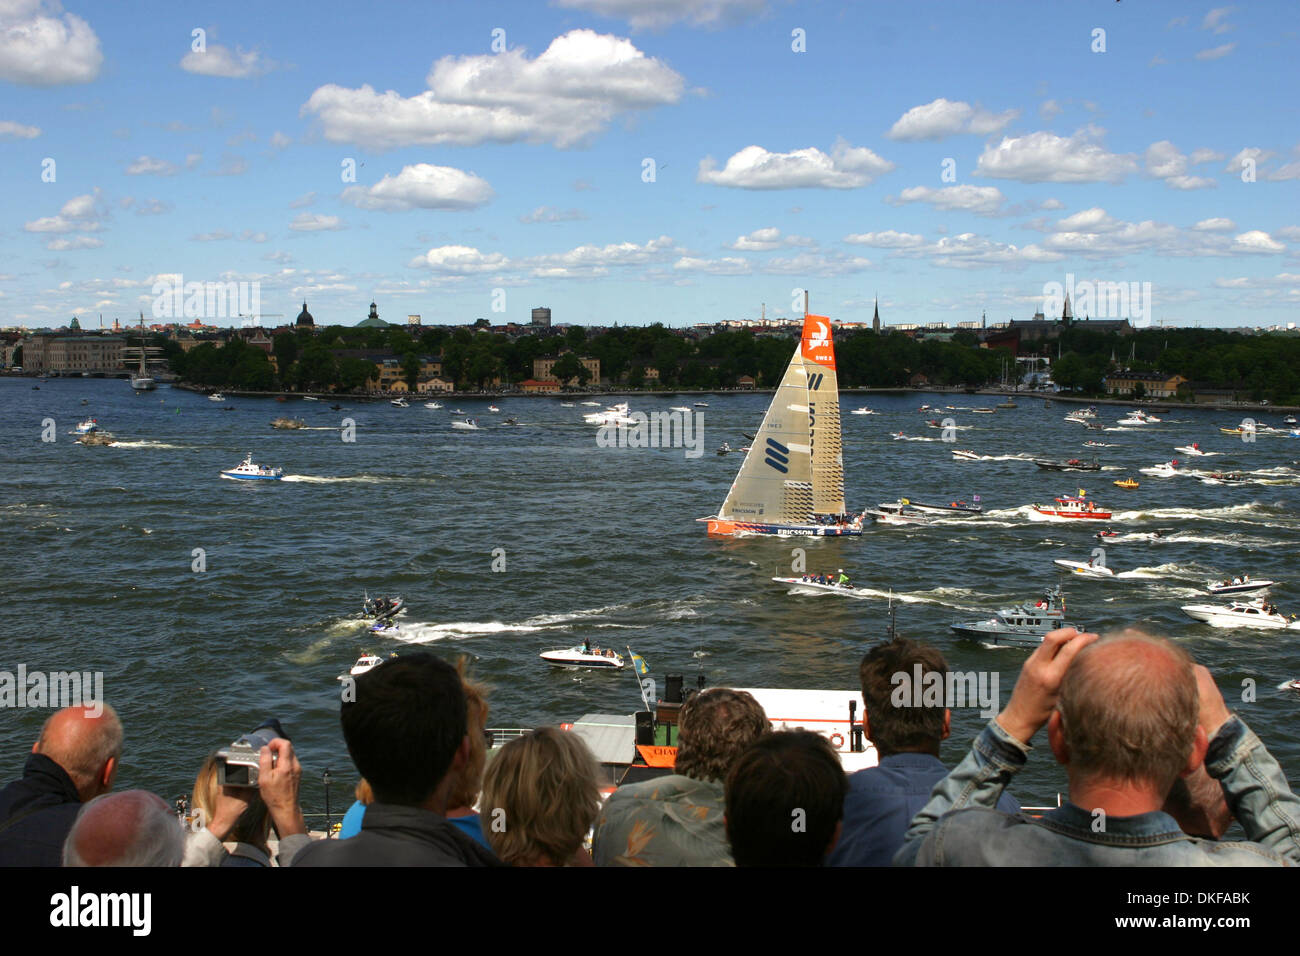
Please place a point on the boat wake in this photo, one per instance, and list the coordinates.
(145, 443)
(361, 479)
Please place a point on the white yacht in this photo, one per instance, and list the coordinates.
(216, 397)
(613, 415)
(468, 425)
(1241, 614)
(434, 406)
(247, 471)
(400, 403)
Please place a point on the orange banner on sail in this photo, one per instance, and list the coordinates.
(658, 756)
(818, 346)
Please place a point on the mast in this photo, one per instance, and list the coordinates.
(142, 370)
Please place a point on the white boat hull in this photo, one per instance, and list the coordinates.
(813, 587)
(1084, 568)
(1217, 616)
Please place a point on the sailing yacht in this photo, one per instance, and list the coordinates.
(142, 382)
(792, 483)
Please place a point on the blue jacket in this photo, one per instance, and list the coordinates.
(959, 826)
(36, 814)
(881, 802)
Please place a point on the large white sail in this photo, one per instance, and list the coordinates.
(818, 352)
(775, 484)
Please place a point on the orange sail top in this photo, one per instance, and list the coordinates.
(818, 346)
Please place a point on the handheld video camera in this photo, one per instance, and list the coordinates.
(237, 765)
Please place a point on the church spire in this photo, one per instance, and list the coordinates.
(875, 318)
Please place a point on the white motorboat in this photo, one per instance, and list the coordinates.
(1239, 586)
(701, 404)
(1166, 470)
(983, 411)
(1191, 450)
(963, 454)
(864, 411)
(457, 411)
(613, 415)
(366, 662)
(493, 408)
(566, 404)
(400, 403)
(904, 515)
(1241, 614)
(584, 655)
(1090, 569)
(1289, 420)
(310, 398)
(1022, 626)
(433, 406)
(679, 408)
(216, 397)
(594, 404)
(468, 425)
(247, 471)
(807, 585)
(88, 426)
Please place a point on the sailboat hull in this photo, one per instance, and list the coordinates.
(727, 528)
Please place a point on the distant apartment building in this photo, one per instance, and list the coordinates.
(74, 354)
(1154, 384)
(542, 318)
(532, 385)
(542, 368)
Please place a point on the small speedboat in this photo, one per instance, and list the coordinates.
(809, 585)
(701, 404)
(863, 411)
(247, 471)
(952, 507)
(584, 655)
(493, 408)
(675, 408)
(1166, 470)
(964, 454)
(433, 406)
(1072, 464)
(457, 411)
(724, 448)
(1241, 614)
(468, 425)
(88, 426)
(310, 398)
(1129, 483)
(510, 422)
(1229, 476)
(1238, 586)
(366, 662)
(1086, 568)
(566, 404)
(983, 411)
(216, 397)
(400, 403)
(1192, 450)
(382, 608)
(1290, 420)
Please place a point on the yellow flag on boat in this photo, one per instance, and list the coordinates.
(639, 664)
(1082, 493)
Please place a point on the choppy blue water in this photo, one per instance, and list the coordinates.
(97, 550)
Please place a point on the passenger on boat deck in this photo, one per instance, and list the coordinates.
(794, 774)
(132, 828)
(1127, 715)
(883, 799)
(678, 820)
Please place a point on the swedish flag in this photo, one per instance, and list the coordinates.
(639, 664)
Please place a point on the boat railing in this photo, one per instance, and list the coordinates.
(500, 736)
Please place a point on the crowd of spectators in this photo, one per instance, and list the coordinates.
(1158, 771)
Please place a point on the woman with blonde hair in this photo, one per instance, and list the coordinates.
(246, 840)
(541, 795)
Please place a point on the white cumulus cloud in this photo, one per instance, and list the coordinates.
(846, 167)
(42, 46)
(981, 200)
(1047, 158)
(221, 61)
(315, 222)
(422, 186)
(941, 117)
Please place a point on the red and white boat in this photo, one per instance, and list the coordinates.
(1074, 507)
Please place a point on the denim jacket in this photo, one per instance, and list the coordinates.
(960, 827)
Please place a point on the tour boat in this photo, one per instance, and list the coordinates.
(247, 471)
(1129, 483)
(1238, 586)
(1074, 507)
(88, 426)
(585, 656)
(1022, 626)
(796, 485)
(1241, 614)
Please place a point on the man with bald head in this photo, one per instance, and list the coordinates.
(134, 828)
(72, 762)
(1127, 715)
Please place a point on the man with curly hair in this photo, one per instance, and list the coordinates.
(678, 820)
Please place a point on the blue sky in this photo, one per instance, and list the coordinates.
(952, 158)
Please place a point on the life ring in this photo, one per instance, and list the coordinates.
(837, 741)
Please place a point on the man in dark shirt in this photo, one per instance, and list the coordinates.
(406, 732)
(883, 799)
(73, 761)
